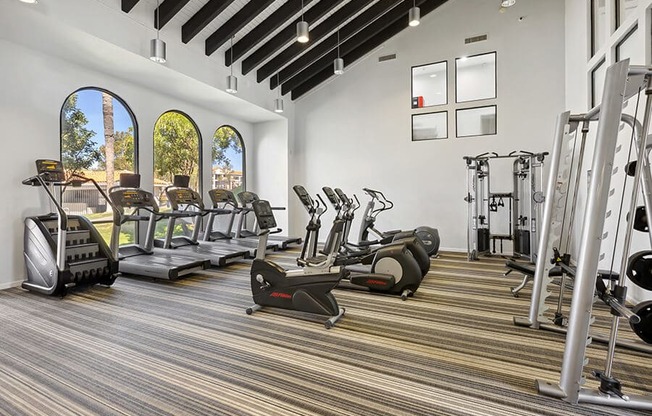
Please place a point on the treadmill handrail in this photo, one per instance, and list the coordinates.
(97, 186)
(269, 232)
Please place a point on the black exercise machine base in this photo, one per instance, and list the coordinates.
(329, 323)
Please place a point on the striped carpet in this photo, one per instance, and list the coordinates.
(148, 347)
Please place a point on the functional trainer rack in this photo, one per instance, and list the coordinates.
(522, 204)
(622, 82)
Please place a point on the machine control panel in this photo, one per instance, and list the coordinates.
(184, 196)
(247, 197)
(303, 195)
(342, 195)
(134, 198)
(264, 214)
(332, 197)
(221, 196)
(50, 170)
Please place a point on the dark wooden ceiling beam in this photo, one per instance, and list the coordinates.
(127, 5)
(322, 30)
(286, 35)
(276, 20)
(328, 44)
(235, 23)
(202, 18)
(167, 10)
(370, 44)
(306, 66)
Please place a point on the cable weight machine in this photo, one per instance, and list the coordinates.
(523, 204)
(621, 83)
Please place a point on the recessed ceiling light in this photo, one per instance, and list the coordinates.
(508, 3)
(29, 1)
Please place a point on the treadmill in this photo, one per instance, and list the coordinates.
(187, 203)
(144, 260)
(246, 205)
(225, 203)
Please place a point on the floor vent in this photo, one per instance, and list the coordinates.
(475, 39)
(386, 57)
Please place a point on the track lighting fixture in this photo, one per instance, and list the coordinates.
(231, 80)
(302, 29)
(414, 15)
(157, 51)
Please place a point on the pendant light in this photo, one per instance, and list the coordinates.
(414, 15)
(302, 29)
(278, 102)
(157, 46)
(338, 63)
(231, 80)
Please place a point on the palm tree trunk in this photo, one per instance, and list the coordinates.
(109, 138)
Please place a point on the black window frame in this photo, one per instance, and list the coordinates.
(244, 154)
(134, 122)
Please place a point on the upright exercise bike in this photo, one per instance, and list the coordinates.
(306, 290)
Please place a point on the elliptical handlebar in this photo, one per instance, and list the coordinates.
(357, 204)
(319, 205)
(97, 186)
(385, 203)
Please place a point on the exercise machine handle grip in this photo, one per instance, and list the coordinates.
(622, 310)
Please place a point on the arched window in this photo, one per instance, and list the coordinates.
(98, 140)
(177, 145)
(228, 167)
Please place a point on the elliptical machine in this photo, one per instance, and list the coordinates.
(345, 208)
(307, 290)
(429, 236)
(389, 269)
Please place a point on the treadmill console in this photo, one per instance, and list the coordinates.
(50, 170)
(247, 197)
(264, 214)
(221, 196)
(134, 198)
(303, 196)
(184, 196)
(332, 197)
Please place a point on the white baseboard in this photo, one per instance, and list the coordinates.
(9, 285)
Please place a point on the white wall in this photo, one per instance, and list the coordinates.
(270, 178)
(355, 131)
